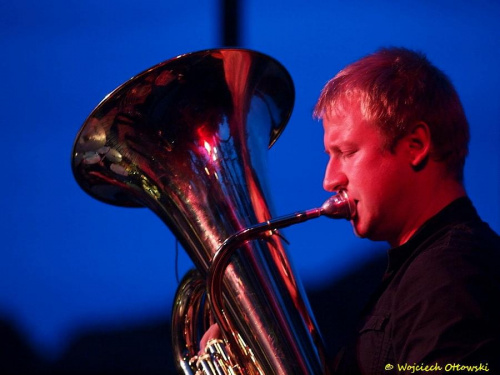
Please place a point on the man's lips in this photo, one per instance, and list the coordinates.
(354, 209)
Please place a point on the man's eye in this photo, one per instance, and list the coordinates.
(348, 153)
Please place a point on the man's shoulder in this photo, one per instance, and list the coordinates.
(458, 228)
(458, 254)
(467, 240)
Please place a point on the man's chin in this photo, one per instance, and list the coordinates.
(358, 231)
(364, 233)
(369, 236)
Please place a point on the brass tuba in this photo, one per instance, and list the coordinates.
(186, 139)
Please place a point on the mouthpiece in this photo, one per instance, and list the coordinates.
(339, 206)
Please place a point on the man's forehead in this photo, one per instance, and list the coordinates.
(338, 127)
(349, 126)
(343, 116)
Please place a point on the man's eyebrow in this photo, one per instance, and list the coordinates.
(342, 145)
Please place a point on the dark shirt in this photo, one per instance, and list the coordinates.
(438, 303)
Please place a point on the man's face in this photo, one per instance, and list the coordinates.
(376, 179)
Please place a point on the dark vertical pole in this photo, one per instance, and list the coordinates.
(230, 10)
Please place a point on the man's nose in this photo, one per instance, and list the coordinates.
(335, 179)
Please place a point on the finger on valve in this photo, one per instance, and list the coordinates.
(213, 333)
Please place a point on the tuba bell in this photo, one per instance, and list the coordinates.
(186, 138)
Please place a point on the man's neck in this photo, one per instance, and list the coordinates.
(428, 206)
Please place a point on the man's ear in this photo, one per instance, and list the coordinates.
(419, 144)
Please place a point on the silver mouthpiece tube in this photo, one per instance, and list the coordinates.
(338, 206)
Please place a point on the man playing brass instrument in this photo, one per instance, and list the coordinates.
(397, 137)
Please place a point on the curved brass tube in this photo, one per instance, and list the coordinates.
(338, 206)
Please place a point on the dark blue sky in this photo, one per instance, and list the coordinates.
(69, 262)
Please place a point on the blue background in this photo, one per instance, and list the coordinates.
(70, 264)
